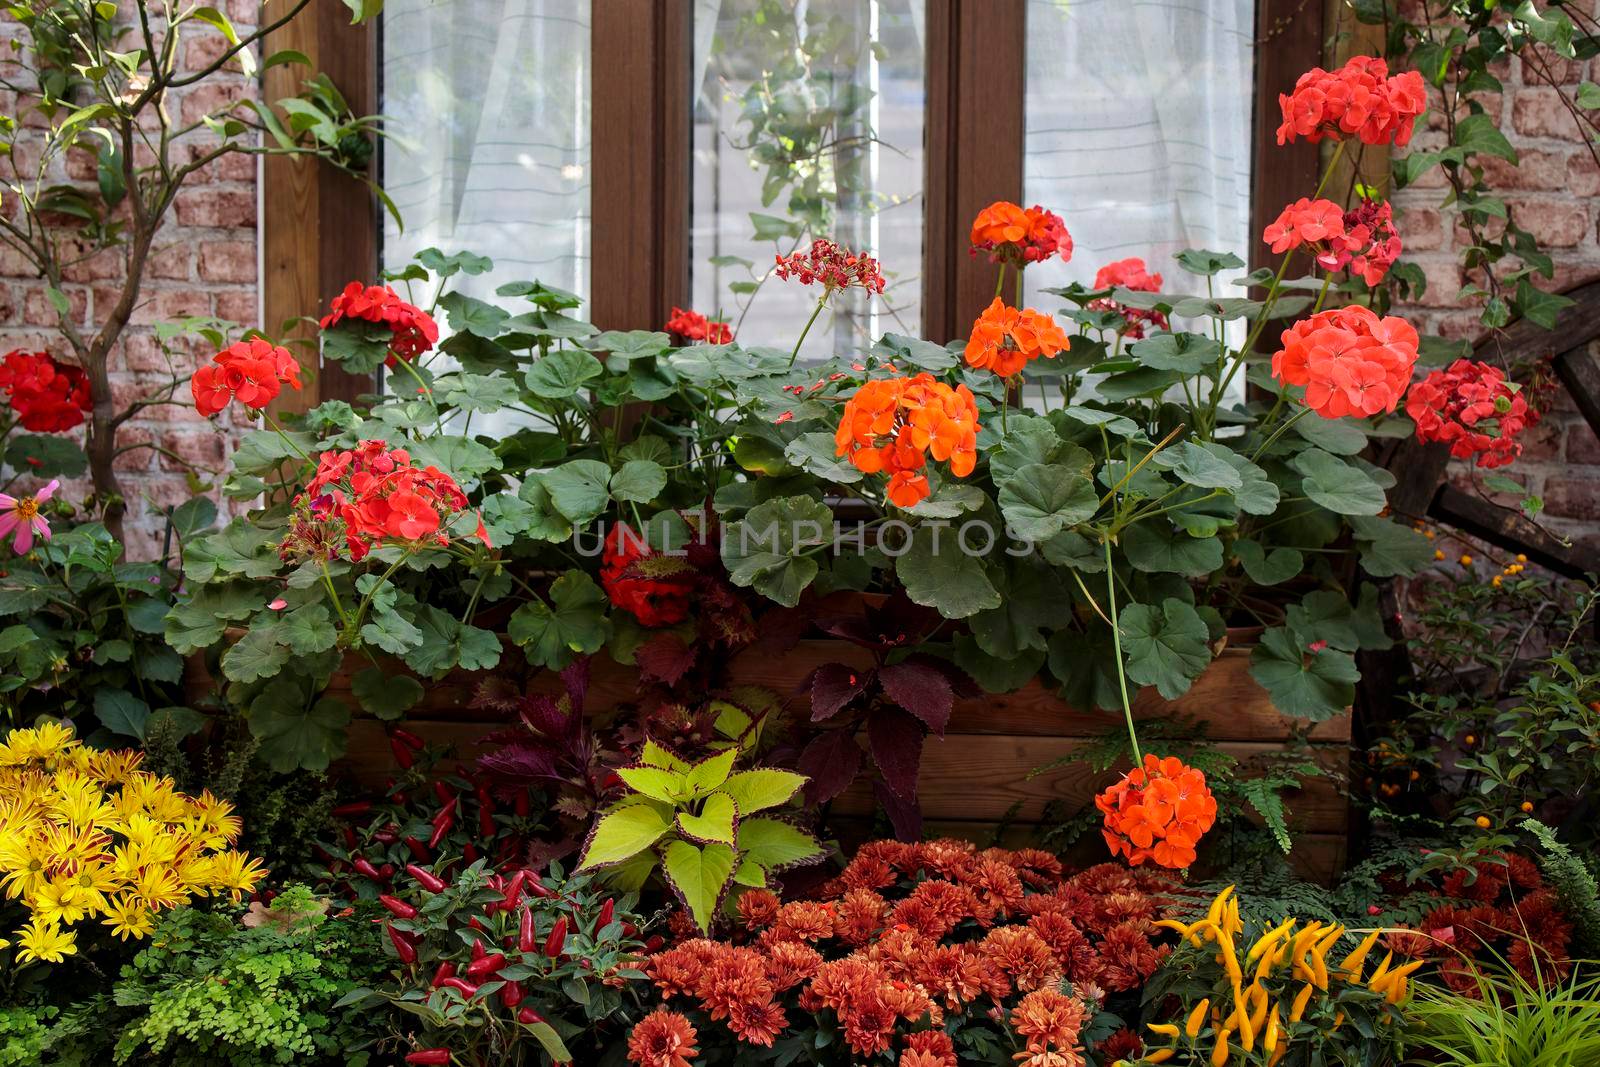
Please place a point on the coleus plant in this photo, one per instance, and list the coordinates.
(897, 701)
(698, 825)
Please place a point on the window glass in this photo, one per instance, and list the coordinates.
(808, 123)
(490, 102)
(1138, 132)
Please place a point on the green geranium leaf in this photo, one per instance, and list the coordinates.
(307, 630)
(242, 550)
(46, 456)
(1305, 684)
(1204, 261)
(385, 694)
(769, 550)
(1028, 440)
(1153, 546)
(994, 674)
(1116, 425)
(460, 457)
(1166, 646)
(357, 345)
(447, 643)
(199, 620)
(468, 314)
(255, 656)
(1087, 668)
(1144, 382)
(629, 345)
(1268, 568)
(121, 712)
(476, 392)
(1030, 603)
(639, 481)
(545, 523)
(1039, 500)
(293, 735)
(1342, 437)
(1199, 466)
(1257, 494)
(569, 622)
(563, 373)
(1389, 549)
(1186, 353)
(579, 489)
(938, 574)
(814, 453)
(1340, 487)
(479, 355)
(699, 876)
(392, 632)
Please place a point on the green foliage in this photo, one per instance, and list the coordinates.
(25, 1034)
(1507, 1019)
(1574, 884)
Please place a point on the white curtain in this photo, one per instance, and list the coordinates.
(1139, 131)
(491, 98)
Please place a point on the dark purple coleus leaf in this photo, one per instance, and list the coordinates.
(496, 693)
(922, 689)
(575, 679)
(904, 815)
(665, 657)
(520, 764)
(830, 763)
(833, 685)
(896, 738)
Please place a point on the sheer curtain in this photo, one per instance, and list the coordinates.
(491, 99)
(1138, 131)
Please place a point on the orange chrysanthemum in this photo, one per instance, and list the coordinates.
(1050, 1021)
(662, 1039)
(1004, 339)
(1158, 812)
(891, 425)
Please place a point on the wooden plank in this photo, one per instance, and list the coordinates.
(1288, 42)
(1511, 530)
(1579, 370)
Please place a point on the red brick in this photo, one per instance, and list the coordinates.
(1535, 169)
(1540, 113)
(196, 449)
(1543, 442)
(8, 303)
(243, 308)
(101, 266)
(1421, 229)
(1572, 498)
(245, 12)
(1542, 62)
(1553, 223)
(211, 97)
(135, 459)
(179, 304)
(170, 261)
(228, 261)
(203, 47)
(1444, 281)
(225, 208)
(1582, 445)
(1583, 177)
(37, 310)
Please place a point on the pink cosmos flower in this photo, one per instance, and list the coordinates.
(22, 515)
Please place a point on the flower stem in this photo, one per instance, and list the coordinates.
(327, 580)
(1322, 294)
(1279, 432)
(1000, 282)
(821, 303)
(1116, 642)
(267, 415)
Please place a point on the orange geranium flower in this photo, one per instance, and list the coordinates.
(891, 425)
(1004, 339)
(1158, 812)
(1018, 236)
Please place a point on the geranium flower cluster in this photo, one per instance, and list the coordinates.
(1362, 240)
(687, 327)
(1016, 236)
(910, 943)
(369, 495)
(652, 587)
(1129, 273)
(1512, 917)
(835, 267)
(1350, 361)
(1471, 407)
(85, 834)
(1358, 100)
(1004, 339)
(252, 372)
(48, 397)
(414, 330)
(892, 425)
(1158, 812)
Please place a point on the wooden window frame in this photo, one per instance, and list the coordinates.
(320, 229)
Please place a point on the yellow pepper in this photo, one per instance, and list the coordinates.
(1352, 963)
(1383, 969)
(1160, 1055)
(1220, 1054)
(1269, 1041)
(1301, 999)
(1168, 1030)
(1197, 1018)
(1258, 1014)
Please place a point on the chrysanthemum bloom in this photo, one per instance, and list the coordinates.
(655, 598)
(662, 1039)
(1016, 237)
(1158, 812)
(1050, 1022)
(835, 267)
(891, 426)
(414, 331)
(48, 397)
(1358, 100)
(252, 372)
(687, 327)
(928, 1048)
(1349, 360)
(1362, 240)
(1471, 407)
(1004, 339)
(21, 513)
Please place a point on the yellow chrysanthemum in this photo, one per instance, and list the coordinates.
(158, 887)
(43, 742)
(58, 903)
(45, 941)
(128, 917)
(235, 873)
(26, 862)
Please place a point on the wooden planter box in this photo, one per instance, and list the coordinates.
(975, 777)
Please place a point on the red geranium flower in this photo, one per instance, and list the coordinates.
(1004, 339)
(1358, 100)
(1472, 408)
(833, 266)
(1362, 240)
(659, 599)
(890, 426)
(251, 371)
(1350, 361)
(1129, 273)
(1017, 236)
(414, 330)
(687, 327)
(48, 397)
(1158, 812)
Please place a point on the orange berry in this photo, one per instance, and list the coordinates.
(1521, 558)
(1482, 822)
(1471, 739)
(1527, 807)
(1438, 553)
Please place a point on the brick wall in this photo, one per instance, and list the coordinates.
(1551, 192)
(203, 263)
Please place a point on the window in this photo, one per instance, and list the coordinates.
(490, 99)
(808, 122)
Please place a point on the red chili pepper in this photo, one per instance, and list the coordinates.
(385, 837)
(486, 965)
(412, 740)
(443, 823)
(442, 790)
(446, 970)
(513, 895)
(511, 994)
(525, 936)
(425, 878)
(557, 938)
(474, 924)
(351, 810)
(402, 754)
(418, 850)
(460, 985)
(629, 930)
(654, 943)
(478, 951)
(522, 805)
(402, 945)
(607, 911)
(470, 853)
(386, 872)
(349, 836)
(529, 1017)
(485, 797)
(486, 827)
(429, 1057)
(397, 907)
(536, 888)
(366, 869)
